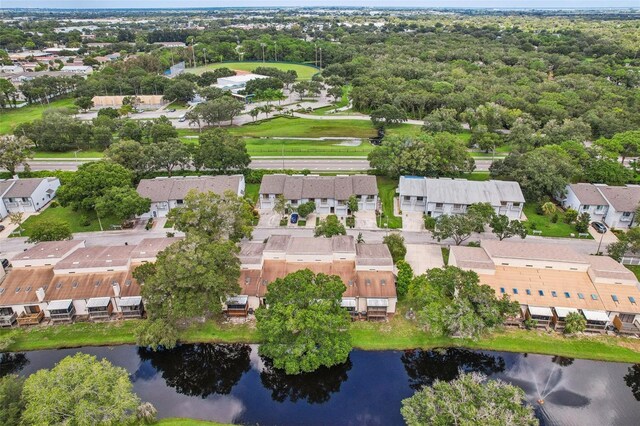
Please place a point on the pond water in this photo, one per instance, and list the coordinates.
(233, 384)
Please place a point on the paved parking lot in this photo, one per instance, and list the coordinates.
(423, 257)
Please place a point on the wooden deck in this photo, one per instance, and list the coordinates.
(30, 319)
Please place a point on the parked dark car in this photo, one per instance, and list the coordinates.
(5, 263)
(171, 110)
(599, 227)
(2, 228)
(294, 218)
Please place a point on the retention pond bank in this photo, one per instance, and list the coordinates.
(231, 383)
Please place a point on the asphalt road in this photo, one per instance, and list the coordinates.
(314, 164)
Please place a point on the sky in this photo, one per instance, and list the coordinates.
(371, 3)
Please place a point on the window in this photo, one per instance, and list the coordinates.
(554, 294)
(516, 204)
(599, 208)
(626, 214)
(540, 293)
(457, 206)
(265, 196)
(294, 202)
(585, 207)
(502, 291)
(324, 200)
(503, 203)
(580, 296)
(515, 291)
(594, 297)
(407, 198)
(439, 205)
(614, 298)
(179, 202)
(567, 295)
(528, 292)
(25, 199)
(420, 199)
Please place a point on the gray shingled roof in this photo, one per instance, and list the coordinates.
(176, 188)
(373, 254)
(533, 251)
(622, 198)
(338, 187)
(24, 187)
(461, 191)
(588, 194)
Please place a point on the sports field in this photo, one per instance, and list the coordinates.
(10, 118)
(305, 72)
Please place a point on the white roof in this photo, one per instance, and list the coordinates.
(130, 301)
(237, 300)
(595, 315)
(59, 304)
(461, 191)
(348, 302)
(98, 302)
(563, 312)
(542, 311)
(377, 302)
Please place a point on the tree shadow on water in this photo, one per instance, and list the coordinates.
(12, 363)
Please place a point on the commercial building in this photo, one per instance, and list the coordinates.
(168, 193)
(613, 205)
(330, 193)
(550, 280)
(141, 101)
(436, 197)
(365, 269)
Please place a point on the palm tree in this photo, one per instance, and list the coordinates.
(549, 208)
(254, 113)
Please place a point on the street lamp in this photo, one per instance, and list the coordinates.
(205, 56)
(75, 154)
(275, 51)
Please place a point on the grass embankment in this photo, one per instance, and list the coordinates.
(73, 218)
(11, 117)
(305, 72)
(289, 127)
(543, 223)
(397, 334)
(387, 191)
(301, 148)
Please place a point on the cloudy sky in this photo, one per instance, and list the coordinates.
(372, 3)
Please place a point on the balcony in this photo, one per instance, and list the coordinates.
(8, 320)
(30, 319)
(60, 315)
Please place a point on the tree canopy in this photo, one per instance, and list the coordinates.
(304, 327)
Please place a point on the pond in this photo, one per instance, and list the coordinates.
(233, 384)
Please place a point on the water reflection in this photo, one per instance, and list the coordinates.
(314, 388)
(198, 370)
(12, 363)
(425, 367)
(632, 379)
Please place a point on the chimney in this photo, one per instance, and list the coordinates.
(116, 289)
(40, 294)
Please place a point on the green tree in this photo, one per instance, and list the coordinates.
(304, 327)
(85, 103)
(179, 90)
(450, 301)
(14, 151)
(388, 115)
(625, 144)
(458, 227)
(131, 155)
(91, 181)
(503, 228)
(188, 281)
(122, 203)
(215, 217)
(169, 154)
(548, 208)
(481, 214)
(305, 209)
(570, 216)
(582, 224)
(352, 204)
(49, 230)
(574, 322)
(280, 205)
(79, 390)
(329, 227)
(11, 402)
(395, 243)
(221, 152)
(405, 276)
(469, 399)
(442, 120)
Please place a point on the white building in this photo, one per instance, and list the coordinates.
(168, 193)
(27, 195)
(47, 253)
(330, 193)
(613, 205)
(77, 69)
(235, 83)
(436, 197)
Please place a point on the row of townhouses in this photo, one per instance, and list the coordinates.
(551, 280)
(613, 205)
(26, 195)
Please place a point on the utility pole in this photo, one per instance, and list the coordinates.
(275, 51)
(315, 49)
(320, 57)
(205, 56)
(263, 46)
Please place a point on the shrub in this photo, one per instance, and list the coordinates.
(555, 218)
(54, 204)
(530, 324)
(351, 221)
(429, 223)
(284, 221)
(570, 216)
(149, 224)
(84, 220)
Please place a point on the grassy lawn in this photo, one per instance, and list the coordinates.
(478, 176)
(343, 102)
(74, 219)
(397, 334)
(303, 128)
(305, 72)
(387, 190)
(635, 269)
(251, 191)
(70, 154)
(543, 223)
(10, 118)
(178, 105)
(299, 148)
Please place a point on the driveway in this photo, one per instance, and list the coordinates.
(412, 221)
(423, 257)
(607, 238)
(268, 219)
(366, 220)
